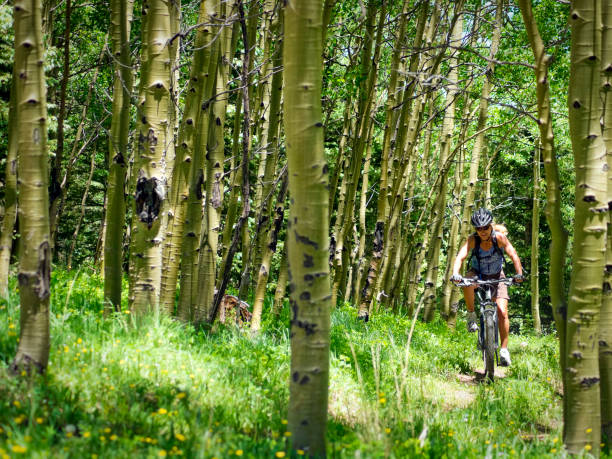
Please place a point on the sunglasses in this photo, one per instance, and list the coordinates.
(483, 228)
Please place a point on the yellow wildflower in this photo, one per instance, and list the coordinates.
(300, 452)
(280, 454)
(113, 437)
(162, 453)
(382, 401)
(162, 411)
(179, 437)
(19, 449)
(17, 404)
(284, 422)
(86, 434)
(588, 447)
(79, 341)
(287, 434)
(239, 452)
(181, 395)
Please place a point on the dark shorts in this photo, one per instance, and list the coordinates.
(501, 290)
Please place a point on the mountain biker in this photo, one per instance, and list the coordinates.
(487, 262)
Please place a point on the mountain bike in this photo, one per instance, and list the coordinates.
(488, 333)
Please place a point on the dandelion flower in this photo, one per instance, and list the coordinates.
(19, 449)
(181, 395)
(86, 434)
(553, 451)
(280, 454)
(284, 422)
(589, 430)
(113, 437)
(162, 411)
(382, 401)
(79, 341)
(162, 453)
(287, 434)
(107, 430)
(17, 404)
(179, 437)
(300, 452)
(588, 447)
(387, 430)
(239, 452)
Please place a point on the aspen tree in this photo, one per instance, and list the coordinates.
(56, 186)
(10, 192)
(308, 231)
(479, 141)
(535, 247)
(121, 16)
(341, 159)
(281, 282)
(273, 229)
(171, 248)
(392, 120)
(185, 160)
(605, 322)
(558, 246)
(262, 280)
(582, 428)
(359, 269)
(154, 134)
(205, 64)
(209, 239)
(439, 206)
(269, 141)
(33, 196)
(369, 62)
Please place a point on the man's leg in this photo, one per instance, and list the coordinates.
(504, 322)
(468, 295)
(472, 320)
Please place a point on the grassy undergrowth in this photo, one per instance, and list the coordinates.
(117, 388)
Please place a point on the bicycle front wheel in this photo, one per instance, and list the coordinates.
(488, 348)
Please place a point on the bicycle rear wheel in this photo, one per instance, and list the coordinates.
(488, 348)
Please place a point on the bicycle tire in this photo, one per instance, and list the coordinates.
(489, 346)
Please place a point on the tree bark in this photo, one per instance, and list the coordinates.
(535, 246)
(32, 188)
(55, 193)
(10, 192)
(121, 17)
(308, 242)
(154, 133)
(582, 427)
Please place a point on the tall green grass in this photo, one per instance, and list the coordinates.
(117, 387)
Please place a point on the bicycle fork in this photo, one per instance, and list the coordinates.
(488, 310)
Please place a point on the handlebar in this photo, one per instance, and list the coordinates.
(467, 282)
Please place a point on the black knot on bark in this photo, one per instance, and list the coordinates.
(576, 104)
(149, 197)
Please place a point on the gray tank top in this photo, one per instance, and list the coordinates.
(491, 261)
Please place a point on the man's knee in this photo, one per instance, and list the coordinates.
(502, 309)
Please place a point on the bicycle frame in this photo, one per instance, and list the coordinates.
(487, 306)
(488, 320)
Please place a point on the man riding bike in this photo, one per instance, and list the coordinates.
(487, 262)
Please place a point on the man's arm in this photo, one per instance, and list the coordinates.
(461, 256)
(503, 241)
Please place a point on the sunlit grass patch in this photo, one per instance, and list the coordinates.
(118, 386)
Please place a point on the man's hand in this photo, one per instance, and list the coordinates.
(519, 278)
(456, 278)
